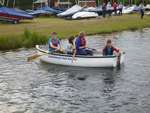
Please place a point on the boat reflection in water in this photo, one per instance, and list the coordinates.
(105, 76)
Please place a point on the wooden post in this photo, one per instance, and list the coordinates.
(41, 4)
(14, 3)
(97, 2)
(32, 4)
(2, 2)
(58, 3)
(7, 3)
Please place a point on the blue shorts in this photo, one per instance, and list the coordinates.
(84, 52)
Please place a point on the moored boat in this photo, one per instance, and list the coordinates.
(84, 14)
(132, 9)
(79, 61)
(69, 12)
(13, 15)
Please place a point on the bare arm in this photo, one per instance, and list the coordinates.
(51, 45)
(116, 51)
(74, 54)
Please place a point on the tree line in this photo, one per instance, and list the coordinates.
(27, 4)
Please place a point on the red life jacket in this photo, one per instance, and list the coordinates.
(112, 49)
(115, 6)
(55, 41)
(82, 42)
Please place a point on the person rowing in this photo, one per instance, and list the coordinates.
(109, 49)
(54, 43)
(81, 45)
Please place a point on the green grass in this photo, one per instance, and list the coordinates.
(29, 33)
(27, 39)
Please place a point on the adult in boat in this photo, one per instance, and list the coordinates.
(54, 43)
(70, 49)
(109, 49)
(81, 45)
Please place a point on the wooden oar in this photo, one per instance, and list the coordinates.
(34, 56)
(118, 60)
(31, 57)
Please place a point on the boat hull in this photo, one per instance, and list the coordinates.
(79, 61)
(110, 61)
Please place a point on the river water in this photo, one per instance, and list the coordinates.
(34, 87)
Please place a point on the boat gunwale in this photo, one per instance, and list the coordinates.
(81, 56)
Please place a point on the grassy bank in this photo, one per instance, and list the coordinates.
(27, 39)
(16, 36)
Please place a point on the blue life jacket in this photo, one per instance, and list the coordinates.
(80, 42)
(54, 41)
(108, 51)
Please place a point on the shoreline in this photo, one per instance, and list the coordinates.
(28, 34)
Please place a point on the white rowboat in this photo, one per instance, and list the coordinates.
(80, 61)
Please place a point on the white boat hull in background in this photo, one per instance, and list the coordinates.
(70, 11)
(147, 13)
(84, 14)
(128, 10)
(147, 7)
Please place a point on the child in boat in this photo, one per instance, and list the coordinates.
(109, 49)
(54, 43)
(70, 47)
(81, 45)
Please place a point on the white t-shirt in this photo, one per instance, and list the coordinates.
(120, 6)
(69, 48)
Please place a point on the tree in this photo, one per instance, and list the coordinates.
(2, 2)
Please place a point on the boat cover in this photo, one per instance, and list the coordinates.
(51, 10)
(147, 7)
(84, 14)
(70, 11)
(15, 12)
(39, 12)
(131, 9)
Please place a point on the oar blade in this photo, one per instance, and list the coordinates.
(32, 57)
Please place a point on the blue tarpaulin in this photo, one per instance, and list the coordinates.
(53, 11)
(45, 10)
(15, 12)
